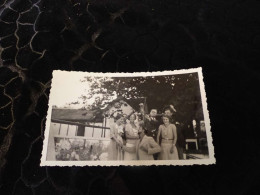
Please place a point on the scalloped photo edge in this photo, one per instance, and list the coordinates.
(61, 148)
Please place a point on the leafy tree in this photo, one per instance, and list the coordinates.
(182, 91)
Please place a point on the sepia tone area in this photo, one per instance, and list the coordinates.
(110, 115)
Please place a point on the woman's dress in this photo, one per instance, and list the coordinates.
(131, 142)
(114, 152)
(167, 143)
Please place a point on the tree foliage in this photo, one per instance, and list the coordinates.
(182, 91)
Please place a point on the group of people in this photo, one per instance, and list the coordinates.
(144, 139)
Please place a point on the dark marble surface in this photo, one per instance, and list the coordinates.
(38, 36)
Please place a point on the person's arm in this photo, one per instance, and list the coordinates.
(128, 134)
(112, 132)
(118, 142)
(129, 149)
(158, 135)
(153, 147)
(146, 118)
(174, 131)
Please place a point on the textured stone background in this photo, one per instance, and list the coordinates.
(38, 36)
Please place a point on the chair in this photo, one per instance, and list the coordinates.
(191, 141)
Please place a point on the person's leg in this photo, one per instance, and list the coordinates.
(180, 152)
(155, 156)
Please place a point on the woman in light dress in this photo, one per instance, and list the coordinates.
(116, 131)
(168, 135)
(131, 134)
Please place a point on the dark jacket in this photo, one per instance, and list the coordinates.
(152, 127)
(180, 136)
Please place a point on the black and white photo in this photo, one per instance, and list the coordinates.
(111, 119)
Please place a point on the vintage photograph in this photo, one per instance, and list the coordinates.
(112, 119)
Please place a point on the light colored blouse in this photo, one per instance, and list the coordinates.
(168, 133)
(132, 132)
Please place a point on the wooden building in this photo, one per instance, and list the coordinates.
(79, 118)
(81, 122)
(86, 126)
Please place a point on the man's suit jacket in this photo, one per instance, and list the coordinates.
(152, 127)
(141, 154)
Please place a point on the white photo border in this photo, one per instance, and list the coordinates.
(58, 73)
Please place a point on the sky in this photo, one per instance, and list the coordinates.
(67, 88)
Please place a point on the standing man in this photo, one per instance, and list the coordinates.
(151, 123)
